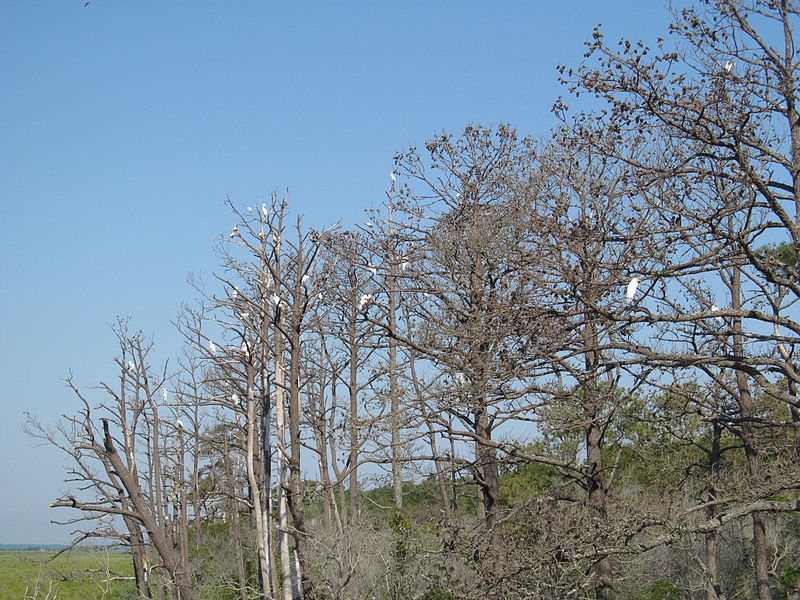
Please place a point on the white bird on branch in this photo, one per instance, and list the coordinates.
(368, 223)
(729, 65)
(630, 291)
(392, 175)
(715, 308)
(243, 348)
(305, 278)
(249, 209)
(131, 366)
(365, 299)
(179, 423)
(275, 299)
(212, 346)
(234, 231)
(164, 394)
(461, 379)
(264, 210)
(372, 270)
(235, 398)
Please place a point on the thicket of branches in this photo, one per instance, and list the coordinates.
(546, 368)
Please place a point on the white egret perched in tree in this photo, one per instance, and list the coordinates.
(305, 278)
(729, 65)
(164, 394)
(234, 231)
(179, 423)
(131, 366)
(235, 398)
(264, 210)
(275, 299)
(365, 299)
(212, 346)
(630, 291)
(394, 179)
(368, 223)
(249, 209)
(715, 308)
(243, 347)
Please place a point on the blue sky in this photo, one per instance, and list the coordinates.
(124, 126)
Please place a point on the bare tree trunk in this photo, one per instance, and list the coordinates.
(713, 589)
(745, 400)
(354, 433)
(394, 399)
(295, 496)
(196, 478)
(283, 508)
(162, 544)
(139, 557)
(489, 475)
(183, 500)
(603, 573)
(251, 448)
(233, 510)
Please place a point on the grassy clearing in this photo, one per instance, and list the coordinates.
(74, 576)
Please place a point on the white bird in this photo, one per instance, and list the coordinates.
(275, 299)
(164, 394)
(368, 223)
(131, 366)
(234, 231)
(264, 210)
(729, 65)
(245, 315)
(213, 347)
(234, 397)
(404, 265)
(305, 278)
(235, 292)
(365, 299)
(630, 291)
(249, 209)
(243, 348)
(372, 270)
(394, 179)
(179, 423)
(715, 308)
(461, 379)
(319, 296)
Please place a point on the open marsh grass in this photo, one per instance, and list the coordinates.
(75, 576)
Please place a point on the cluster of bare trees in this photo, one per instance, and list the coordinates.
(544, 368)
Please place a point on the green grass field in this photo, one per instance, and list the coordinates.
(74, 576)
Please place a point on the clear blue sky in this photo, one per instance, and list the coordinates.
(124, 125)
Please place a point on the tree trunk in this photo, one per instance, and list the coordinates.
(283, 507)
(489, 475)
(745, 400)
(354, 433)
(163, 545)
(713, 589)
(233, 511)
(251, 448)
(295, 496)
